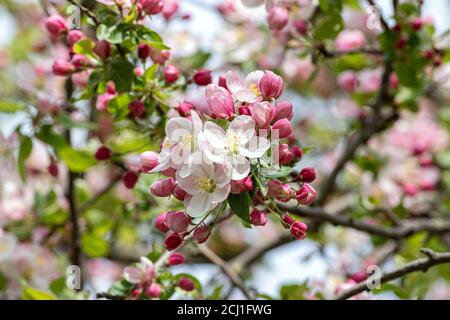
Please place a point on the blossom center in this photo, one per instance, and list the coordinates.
(233, 142)
(254, 88)
(205, 184)
(187, 141)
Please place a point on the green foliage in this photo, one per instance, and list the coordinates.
(26, 145)
(11, 106)
(121, 71)
(239, 204)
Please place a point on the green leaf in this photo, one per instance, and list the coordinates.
(94, 246)
(216, 294)
(118, 106)
(150, 72)
(26, 145)
(84, 47)
(121, 288)
(198, 285)
(294, 291)
(30, 293)
(121, 71)
(328, 26)
(3, 281)
(11, 106)
(76, 160)
(284, 171)
(57, 286)
(239, 204)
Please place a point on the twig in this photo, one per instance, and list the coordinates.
(231, 274)
(406, 229)
(382, 20)
(86, 11)
(89, 203)
(424, 264)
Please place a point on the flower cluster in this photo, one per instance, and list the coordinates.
(230, 153)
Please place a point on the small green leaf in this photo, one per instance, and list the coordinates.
(26, 145)
(84, 47)
(94, 246)
(76, 160)
(121, 71)
(30, 293)
(239, 204)
(11, 106)
(58, 285)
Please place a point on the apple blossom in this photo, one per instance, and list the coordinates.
(258, 218)
(298, 230)
(235, 145)
(306, 195)
(219, 101)
(202, 233)
(263, 113)
(283, 110)
(186, 284)
(349, 40)
(163, 187)
(172, 241)
(153, 291)
(143, 272)
(149, 160)
(246, 91)
(160, 223)
(103, 153)
(74, 36)
(202, 77)
(56, 25)
(176, 258)
(277, 18)
(177, 221)
(270, 85)
(282, 128)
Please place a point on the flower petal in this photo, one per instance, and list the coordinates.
(241, 167)
(132, 274)
(244, 127)
(178, 127)
(234, 84)
(199, 204)
(255, 148)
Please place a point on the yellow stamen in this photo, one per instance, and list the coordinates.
(255, 90)
(233, 142)
(205, 184)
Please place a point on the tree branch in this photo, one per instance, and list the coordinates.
(424, 264)
(229, 272)
(406, 229)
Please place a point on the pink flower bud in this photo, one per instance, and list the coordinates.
(136, 292)
(282, 127)
(284, 110)
(130, 179)
(358, 276)
(298, 230)
(263, 113)
(153, 291)
(186, 284)
(172, 241)
(306, 195)
(143, 51)
(149, 160)
(297, 151)
(137, 109)
(184, 109)
(258, 198)
(349, 40)
(170, 8)
(278, 18)
(160, 223)
(139, 71)
(163, 187)
(417, 23)
(410, 189)
(243, 185)
(202, 77)
(103, 153)
(151, 6)
(301, 26)
(348, 81)
(288, 220)
(74, 36)
(258, 218)
(245, 110)
(103, 49)
(62, 68)
(56, 25)
(53, 169)
(179, 193)
(287, 193)
(79, 61)
(159, 56)
(219, 101)
(169, 172)
(202, 233)
(274, 188)
(307, 174)
(176, 258)
(270, 85)
(177, 221)
(171, 74)
(283, 155)
(223, 81)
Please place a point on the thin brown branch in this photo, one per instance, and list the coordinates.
(406, 229)
(432, 259)
(382, 20)
(229, 272)
(86, 11)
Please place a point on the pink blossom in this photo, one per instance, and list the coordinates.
(349, 40)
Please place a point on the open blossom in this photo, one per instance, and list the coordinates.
(144, 272)
(235, 145)
(349, 40)
(206, 186)
(181, 143)
(246, 91)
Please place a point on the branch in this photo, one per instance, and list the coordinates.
(229, 272)
(424, 264)
(89, 203)
(406, 229)
(382, 20)
(86, 11)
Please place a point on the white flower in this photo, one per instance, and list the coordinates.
(246, 91)
(181, 142)
(235, 145)
(7, 246)
(206, 186)
(143, 272)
